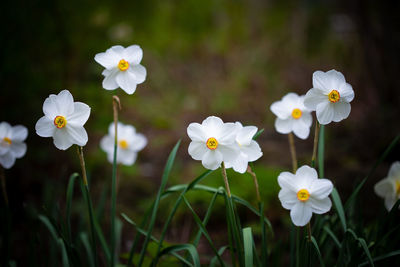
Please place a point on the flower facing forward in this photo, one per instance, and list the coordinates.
(213, 141)
(304, 194)
(389, 187)
(123, 67)
(292, 116)
(330, 96)
(248, 149)
(63, 120)
(129, 143)
(12, 144)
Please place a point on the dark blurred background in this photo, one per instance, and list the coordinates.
(226, 58)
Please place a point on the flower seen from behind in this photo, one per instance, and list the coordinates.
(330, 96)
(389, 187)
(129, 143)
(63, 120)
(213, 142)
(12, 144)
(122, 68)
(292, 116)
(248, 149)
(304, 194)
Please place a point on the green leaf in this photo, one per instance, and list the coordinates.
(363, 244)
(214, 260)
(258, 134)
(189, 247)
(332, 235)
(339, 208)
(388, 255)
(315, 244)
(85, 240)
(248, 247)
(206, 218)
(70, 192)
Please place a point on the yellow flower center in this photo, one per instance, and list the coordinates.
(123, 65)
(7, 140)
(303, 195)
(334, 96)
(212, 143)
(123, 144)
(60, 122)
(296, 113)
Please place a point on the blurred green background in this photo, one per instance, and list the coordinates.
(226, 58)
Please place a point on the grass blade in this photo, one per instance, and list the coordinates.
(248, 247)
(164, 180)
(86, 244)
(189, 247)
(339, 208)
(214, 260)
(264, 247)
(206, 218)
(390, 254)
(363, 244)
(332, 235)
(258, 134)
(315, 244)
(70, 192)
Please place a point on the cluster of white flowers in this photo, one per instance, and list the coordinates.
(214, 142)
(12, 144)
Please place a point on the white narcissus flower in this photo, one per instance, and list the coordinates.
(63, 120)
(129, 143)
(389, 187)
(330, 96)
(248, 149)
(123, 67)
(304, 194)
(12, 144)
(292, 116)
(213, 142)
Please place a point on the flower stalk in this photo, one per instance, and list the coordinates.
(3, 185)
(253, 174)
(292, 151)
(228, 191)
(316, 137)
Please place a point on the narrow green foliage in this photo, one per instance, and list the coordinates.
(258, 134)
(189, 247)
(316, 247)
(206, 218)
(113, 203)
(321, 151)
(70, 192)
(214, 260)
(383, 257)
(85, 241)
(248, 247)
(333, 236)
(339, 208)
(264, 247)
(363, 244)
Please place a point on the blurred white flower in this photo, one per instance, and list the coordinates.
(304, 194)
(248, 149)
(63, 120)
(123, 67)
(389, 187)
(129, 143)
(292, 116)
(330, 96)
(12, 144)
(213, 141)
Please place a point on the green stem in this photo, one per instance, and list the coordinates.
(228, 190)
(316, 135)
(253, 174)
(292, 152)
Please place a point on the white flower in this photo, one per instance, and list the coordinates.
(12, 144)
(389, 187)
(304, 194)
(122, 67)
(63, 120)
(129, 143)
(213, 141)
(248, 149)
(330, 96)
(292, 116)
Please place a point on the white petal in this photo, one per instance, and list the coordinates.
(313, 98)
(212, 160)
(288, 198)
(110, 80)
(341, 111)
(306, 118)
(287, 180)
(300, 214)
(45, 127)
(322, 81)
(305, 177)
(245, 135)
(283, 126)
(5, 129)
(50, 107)
(229, 153)
(240, 164)
(394, 170)
(18, 149)
(227, 133)
(196, 132)
(253, 151)
(117, 49)
(346, 92)
(65, 103)
(300, 129)
(384, 188)
(4, 148)
(389, 202)
(336, 79)
(133, 54)
(325, 113)
(212, 123)
(321, 188)
(126, 157)
(197, 150)
(107, 59)
(62, 139)
(320, 206)
(281, 110)
(80, 115)
(78, 134)
(19, 133)
(107, 144)
(7, 160)
(139, 142)
(138, 72)
(126, 81)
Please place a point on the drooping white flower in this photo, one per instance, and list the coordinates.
(292, 116)
(330, 96)
(248, 149)
(389, 187)
(12, 144)
(123, 67)
(213, 141)
(304, 194)
(129, 143)
(63, 120)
